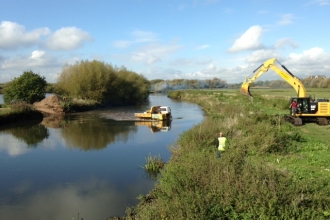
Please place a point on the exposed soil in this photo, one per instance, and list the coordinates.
(50, 105)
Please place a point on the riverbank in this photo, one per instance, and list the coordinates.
(271, 169)
(17, 113)
(52, 105)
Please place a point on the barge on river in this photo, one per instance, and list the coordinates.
(160, 113)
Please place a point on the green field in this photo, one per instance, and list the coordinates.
(287, 93)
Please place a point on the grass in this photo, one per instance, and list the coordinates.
(79, 105)
(153, 165)
(271, 170)
(18, 112)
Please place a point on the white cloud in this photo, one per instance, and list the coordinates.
(68, 38)
(193, 62)
(138, 38)
(314, 61)
(122, 43)
(37, 54)
(213, 71)
(11, 145)
(281, 43)
(181, 62)
(286, 19)
(260, 56)
(318, 2)
(144, 36)
(203, 47)
(155, 52)
(147, 58)
(311, 56)
(250, 40)
(37, 61)
(36, 58)
(13, 35)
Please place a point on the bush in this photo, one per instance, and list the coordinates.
(95, 80)
(29, 87)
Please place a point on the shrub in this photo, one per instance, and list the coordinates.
(153, 165)
(29, 87)
(95, 80)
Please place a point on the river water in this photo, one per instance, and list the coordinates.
(84, 165)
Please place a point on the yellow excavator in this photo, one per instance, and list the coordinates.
(309, 109)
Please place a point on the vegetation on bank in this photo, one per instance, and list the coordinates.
(29, 88)
(95, 80)
(272, 170)
(153, 165)
(86, 85)
(19, 112)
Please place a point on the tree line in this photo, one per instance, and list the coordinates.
(106, 84)
(87, 80)
(159, 85)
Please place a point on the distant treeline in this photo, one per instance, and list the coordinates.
(159, 85)
(308, 83)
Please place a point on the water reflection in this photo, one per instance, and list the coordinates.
(85, 162)
(156, 126)
(30, 132)
(94, 133)
(93, 199)
(54, 121)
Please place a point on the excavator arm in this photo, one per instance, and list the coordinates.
(285, 74)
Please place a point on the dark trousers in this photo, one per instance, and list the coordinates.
(218, 154)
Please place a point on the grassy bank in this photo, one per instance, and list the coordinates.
(272, 170)
(17, 113)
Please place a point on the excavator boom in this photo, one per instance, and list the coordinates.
(284, 73)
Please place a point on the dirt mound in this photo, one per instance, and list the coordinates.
(54, 121)
(50, 105)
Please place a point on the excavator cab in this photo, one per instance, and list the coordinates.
(305, 105)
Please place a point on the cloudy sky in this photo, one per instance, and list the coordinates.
(165, 39)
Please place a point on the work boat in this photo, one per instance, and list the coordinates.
(156, 113)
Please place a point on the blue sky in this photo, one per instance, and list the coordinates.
(165, 39)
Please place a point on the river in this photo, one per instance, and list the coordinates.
(84, 165)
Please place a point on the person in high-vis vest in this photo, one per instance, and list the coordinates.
(221, 144)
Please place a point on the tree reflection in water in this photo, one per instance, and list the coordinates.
(94, 133)
(30, 132)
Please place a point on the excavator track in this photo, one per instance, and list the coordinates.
(294, 121)
(322, 121)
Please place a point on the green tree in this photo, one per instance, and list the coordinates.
(155, 81)
(29, 87)
(130, 87)
(95, 80)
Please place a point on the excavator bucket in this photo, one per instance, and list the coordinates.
(245, 89)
